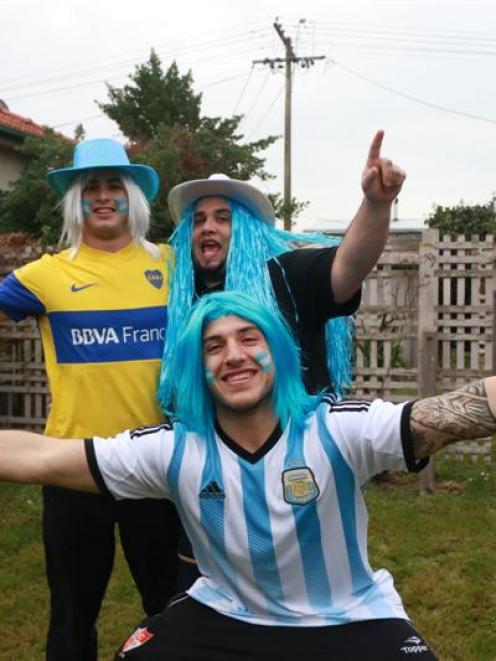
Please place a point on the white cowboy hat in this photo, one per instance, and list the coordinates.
(184, 195)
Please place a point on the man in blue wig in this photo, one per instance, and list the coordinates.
(101, 310)
(267, 480)
(226, 239)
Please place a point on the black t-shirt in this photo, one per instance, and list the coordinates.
(302, 287)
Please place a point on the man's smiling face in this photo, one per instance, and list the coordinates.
(238, 364)
(211, 236)
(105, 205)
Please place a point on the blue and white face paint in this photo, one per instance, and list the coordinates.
(264, 359)
(87, 207)
(121, 206)
(120, 203)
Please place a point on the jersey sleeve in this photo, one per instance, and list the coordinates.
(133, 464)
(17, 300)
(373, 436)
(305, 273)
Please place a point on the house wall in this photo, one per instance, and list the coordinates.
(12, 163)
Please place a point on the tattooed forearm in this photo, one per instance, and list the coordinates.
(455, 416)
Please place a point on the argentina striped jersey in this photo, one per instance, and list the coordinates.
(280, 535)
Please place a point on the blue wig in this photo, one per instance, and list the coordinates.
(253, 243)
(184, 380)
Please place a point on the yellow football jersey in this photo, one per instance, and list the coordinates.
(103, 319)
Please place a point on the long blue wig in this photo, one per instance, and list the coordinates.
(189, 399)
(253, 243)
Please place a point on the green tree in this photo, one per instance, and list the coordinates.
(29, 206)
(153, 98)
(476, 219)
(161, 115)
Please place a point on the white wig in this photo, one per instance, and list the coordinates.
(138, 215)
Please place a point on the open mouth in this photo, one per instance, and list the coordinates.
(210, 248)
(103, 211)
(238, 378)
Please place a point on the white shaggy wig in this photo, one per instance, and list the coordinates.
(138, 215)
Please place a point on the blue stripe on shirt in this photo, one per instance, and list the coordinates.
(308, 530)
(260, 541)
(345, 490)
(17, 301)
(103, 336)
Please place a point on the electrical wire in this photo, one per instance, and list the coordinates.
(236, 105)
(266, 113)
(410, 97)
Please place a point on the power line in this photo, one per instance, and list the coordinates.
(281, 89)
(223, 43)
(131, 59)
(411, 97)
(245, 86)
(91, 117)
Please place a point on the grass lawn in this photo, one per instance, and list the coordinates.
(441, 549)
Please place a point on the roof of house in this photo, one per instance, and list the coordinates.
(13, 123)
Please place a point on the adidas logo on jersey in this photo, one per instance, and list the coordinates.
(212, 491)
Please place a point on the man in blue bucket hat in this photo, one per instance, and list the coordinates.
(101, 306)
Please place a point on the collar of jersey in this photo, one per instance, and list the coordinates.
(252, 457)
(96, 254)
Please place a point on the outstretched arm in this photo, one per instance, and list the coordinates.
(366, 237)
(35, 459)
(469, 412)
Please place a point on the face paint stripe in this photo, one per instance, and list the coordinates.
(264, 360)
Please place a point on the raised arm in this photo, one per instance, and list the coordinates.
(366, 237)
(469, 412)
(35, 459)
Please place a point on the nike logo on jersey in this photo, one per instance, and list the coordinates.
(212, 491)
(75, 288)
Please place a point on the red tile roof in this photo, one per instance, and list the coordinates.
(15, 122)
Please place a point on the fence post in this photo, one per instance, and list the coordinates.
(427, 336)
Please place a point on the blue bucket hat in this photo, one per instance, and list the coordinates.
(101, 154)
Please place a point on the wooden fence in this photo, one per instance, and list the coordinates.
(426, 324)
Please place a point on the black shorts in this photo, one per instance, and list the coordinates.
(189, 631)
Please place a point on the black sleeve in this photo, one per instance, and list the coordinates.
(413, 465)
(305, 274)
(93, 465)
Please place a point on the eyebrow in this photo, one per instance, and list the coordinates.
(216, 210)
(244, 329)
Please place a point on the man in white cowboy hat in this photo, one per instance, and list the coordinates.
(101, 306)
(226, 239)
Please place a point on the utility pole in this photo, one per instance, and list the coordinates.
(278, 62)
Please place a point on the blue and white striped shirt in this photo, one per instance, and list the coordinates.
(280, 536)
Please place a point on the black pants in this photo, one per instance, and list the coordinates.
(78, 533)
(189, 631)
(187, 569)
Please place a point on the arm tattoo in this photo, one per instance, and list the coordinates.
(454, 416)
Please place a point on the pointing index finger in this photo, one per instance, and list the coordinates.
(375, 147)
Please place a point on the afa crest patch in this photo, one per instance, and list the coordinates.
(299, 486)
(155, 277)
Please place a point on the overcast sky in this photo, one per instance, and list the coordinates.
(57, 54)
